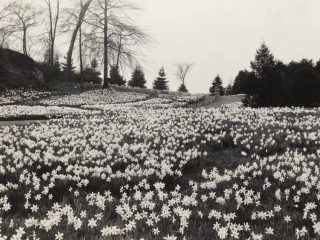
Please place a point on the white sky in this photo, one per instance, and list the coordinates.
(221, 36)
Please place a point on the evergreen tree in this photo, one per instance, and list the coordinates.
(115, 77)
(264, 61)
(161, 82)
(137, 78)
(228, 89)
(216, 87)
(92, 73)
(244, 83)
(182, 88)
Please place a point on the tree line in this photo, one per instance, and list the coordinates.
(272, 83)
(97, 31)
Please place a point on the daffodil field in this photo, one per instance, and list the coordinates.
(158, 170)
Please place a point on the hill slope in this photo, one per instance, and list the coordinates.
(18, 70)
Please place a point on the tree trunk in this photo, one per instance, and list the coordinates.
(70, 52)
(82, 14)
(106, 60)
(24, 40)
(80, 55)
(51, 45)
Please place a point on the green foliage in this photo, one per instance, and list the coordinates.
(216, 87)
(137, 78)
(161, 83)
(115, 77)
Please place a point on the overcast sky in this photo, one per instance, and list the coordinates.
(221, 37)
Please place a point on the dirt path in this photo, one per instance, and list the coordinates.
(215, 102)
(222, 100)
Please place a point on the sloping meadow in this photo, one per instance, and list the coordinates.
(132, 173)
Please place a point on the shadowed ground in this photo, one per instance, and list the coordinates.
(23, 122)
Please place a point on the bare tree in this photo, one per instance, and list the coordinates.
(78, 20)
(6, 29)
(126, 38)
(24, 17)
(181, 74)
(112, 30)
(52, 31)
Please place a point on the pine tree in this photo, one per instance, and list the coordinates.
(137, 78)
(216, 87)
(161, 83)
(115, 77)
(264, 61)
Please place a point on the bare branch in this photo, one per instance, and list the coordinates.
(182, 70)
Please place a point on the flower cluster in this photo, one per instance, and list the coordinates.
(163, 173)
(99, 96)
(21, 95)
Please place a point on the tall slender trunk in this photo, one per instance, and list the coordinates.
(24, 40)
(82, 14)
(80, 55)
(52, 55)
(106, 60)
(70, 52)
(51, 44)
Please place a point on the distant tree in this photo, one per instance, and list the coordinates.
(115, 77)
(228, 89)
(302, 84)
(161, 82)
(6, 27)
(183, 88)
(216, 87)
(264, 61)
(244, 83)
(23, 17)
(92, 74)
(76, 20)
(181, 74)
(265, 88)
(52, 28)
(137, 78)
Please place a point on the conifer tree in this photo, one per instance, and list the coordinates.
(137, 78)
(161, 83)
(264, 61)
(216, 87)
(115, 77)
